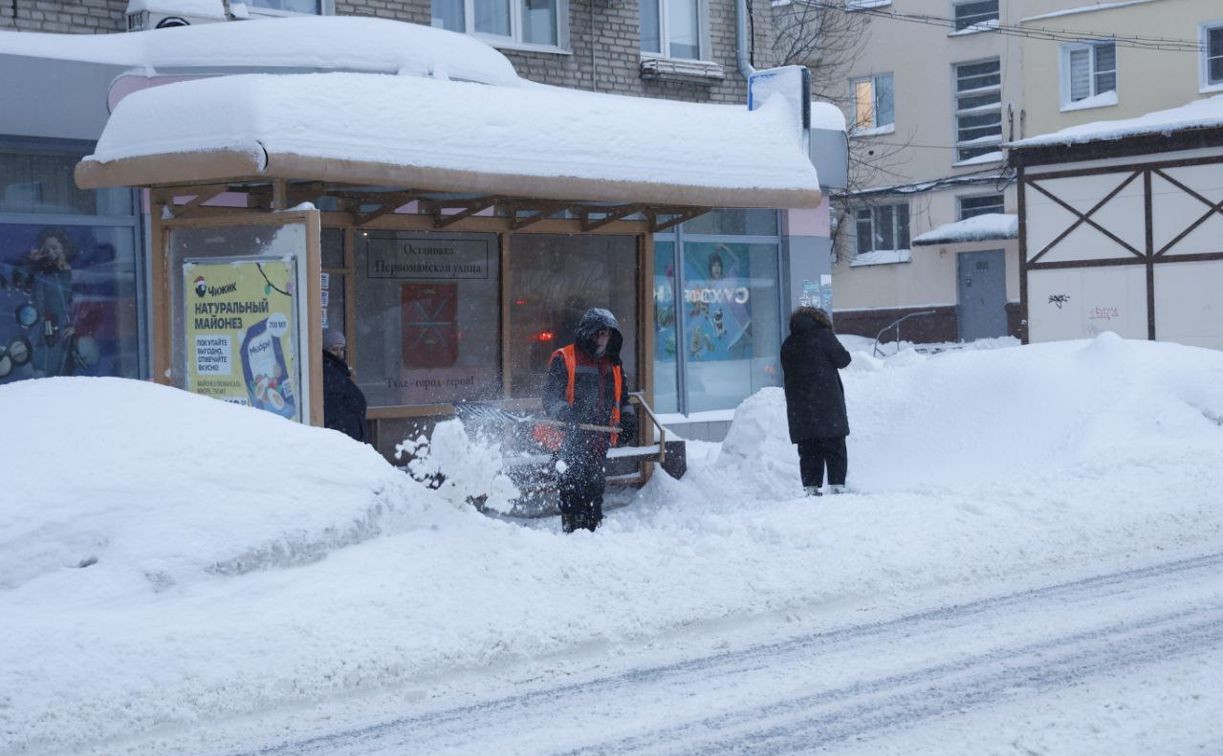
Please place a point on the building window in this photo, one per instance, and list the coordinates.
(978, 108)
(973, 206)
(974, 12)
(278, 7)
(717, 311)
(673, 28)
(883, 227)
(873, 103)
(69, 269)
(532, 22)
(1212, 56)
(1089, 71)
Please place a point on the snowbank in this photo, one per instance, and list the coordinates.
(967, 468)
(154, 487)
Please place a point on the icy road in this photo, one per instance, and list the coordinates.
(1014, 673)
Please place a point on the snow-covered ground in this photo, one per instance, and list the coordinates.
(167, 560)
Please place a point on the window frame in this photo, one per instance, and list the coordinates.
(1066, 75)
(514, 40)
(703, 40)
(959, 203)
(1204, 30)
(875, 211)
(980, 147)
(875, 127)
(678, 237)
(961, 27)
(325, 8)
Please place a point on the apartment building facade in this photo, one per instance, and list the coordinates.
(931, 99)
(1121, 177)
(695, 51)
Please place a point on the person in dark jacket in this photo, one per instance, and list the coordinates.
(343, 402)
(815, 398)
(586, 385)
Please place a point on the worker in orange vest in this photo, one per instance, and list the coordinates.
(586, 385)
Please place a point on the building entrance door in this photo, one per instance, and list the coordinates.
(981, 307)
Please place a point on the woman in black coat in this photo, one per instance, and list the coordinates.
(343, 403)
(815, 399)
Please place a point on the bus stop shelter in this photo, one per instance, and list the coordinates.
(453, 231)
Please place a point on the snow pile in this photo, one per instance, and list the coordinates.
(157, 487)
(462, 469)
(967, 468)
(340, 43)
(986, 227)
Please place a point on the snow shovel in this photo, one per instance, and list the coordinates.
(484, 413)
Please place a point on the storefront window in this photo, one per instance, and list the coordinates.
(730, 324)
(554, 280)
(717, 311)
(67, 283)
(735, 222)
(428, 318)
(67, 301)
(666, 373)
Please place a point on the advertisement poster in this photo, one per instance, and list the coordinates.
(67, 305)
(717, 303)
(430, 328)
(241, 337)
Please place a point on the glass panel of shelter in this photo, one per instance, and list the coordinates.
(717, 310)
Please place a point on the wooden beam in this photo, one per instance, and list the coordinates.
(311, 190)
(205, 194)
(611, 216)
(542, 212)
(441, 220)
(280, 194)
(389, 204)
(677, 217)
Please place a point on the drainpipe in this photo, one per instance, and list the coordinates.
(742, 55)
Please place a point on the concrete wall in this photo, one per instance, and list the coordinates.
(1147, 79)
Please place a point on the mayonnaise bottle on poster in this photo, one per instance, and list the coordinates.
(267, 375)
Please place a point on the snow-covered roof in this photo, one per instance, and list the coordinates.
(346, 43)
(196, 8)
(1198, 114)
(436, 135)
(987, 227)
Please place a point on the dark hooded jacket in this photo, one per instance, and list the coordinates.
(593, 389)
(343, 403)
(810, 358)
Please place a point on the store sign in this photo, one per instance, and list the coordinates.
(428, 259)
(241, 333)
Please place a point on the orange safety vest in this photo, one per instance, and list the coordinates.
(550, 436)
